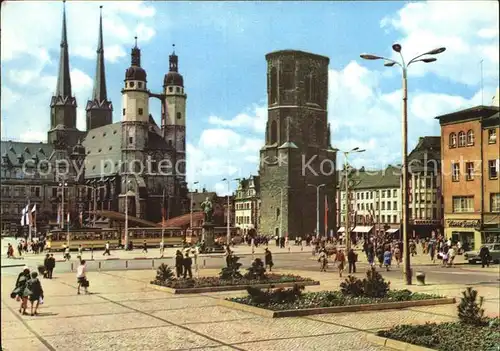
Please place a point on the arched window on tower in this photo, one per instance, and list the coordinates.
(179, 115)
(274, 132)
(274, 85)
(288, 78)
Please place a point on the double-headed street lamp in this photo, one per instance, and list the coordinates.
(347, 198)
(404, 67)
(317, 205)
(228, 234)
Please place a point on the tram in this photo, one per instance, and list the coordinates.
(96, 238)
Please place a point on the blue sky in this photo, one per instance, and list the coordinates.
(221, 48)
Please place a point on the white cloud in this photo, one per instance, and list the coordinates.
(254, 118)
(468, 30)
(33, 136)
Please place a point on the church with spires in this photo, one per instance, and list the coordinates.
(100, 168)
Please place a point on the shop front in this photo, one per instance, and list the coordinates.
(423, 228)
(466, 230)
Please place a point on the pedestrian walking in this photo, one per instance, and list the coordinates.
(187, 264)
(228, 255)
(10, 251)
(34, 292)
(81, 277)
(397, 255)
(352, 258)
(178, 263)
(484, 254)
(387, 258)
(340, 259)
(18, 292)
(451, 256)
(145, 247)
(46, 265)
(323, 261)
(268, 259)
(51, 265)
(162, 248)
(80, 251)
(107, 249)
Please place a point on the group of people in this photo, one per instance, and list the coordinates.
(184, 263)
(28, 288)
(339, 260)
(24, 246)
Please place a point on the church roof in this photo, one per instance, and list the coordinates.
(18, 152)
(103, 150)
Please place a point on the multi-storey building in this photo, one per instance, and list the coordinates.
(134, 159)
(425, 198)
(470, 154)
(296, 159)
(375, 199)
(247, 205)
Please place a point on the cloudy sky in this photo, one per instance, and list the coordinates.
(221, 48)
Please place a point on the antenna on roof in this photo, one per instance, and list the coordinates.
(482, 94)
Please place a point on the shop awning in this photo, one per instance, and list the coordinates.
(392, 230)
(363, 229)
(341, 230)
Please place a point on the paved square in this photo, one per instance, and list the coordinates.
(124, 313)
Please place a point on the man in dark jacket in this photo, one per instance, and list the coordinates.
(179, 262)
(51, 265)
(187, 263)
(352, 257)
(46, 265)
(484, 253)
(268, 259)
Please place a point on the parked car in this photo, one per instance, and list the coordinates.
(473, 256)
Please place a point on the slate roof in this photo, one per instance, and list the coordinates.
(429, 148)
(103, 150)
(13, 149)
(370, 179)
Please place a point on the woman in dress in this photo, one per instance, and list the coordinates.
(81, 277)
(387, 258)
(18, 292)
(34, 292)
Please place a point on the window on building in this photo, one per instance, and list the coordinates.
(277, 213)
(371, 195)
(170, 89)
(455, 172)
(463, 204)
(131, 84)
(179, 115)
(388, 205)
(470, 137)
(124, 112)
(371, 206)
(139, 85)
(362, 196)
(177, 89)
(422, 213)
(395, 205)
(273, 85)
(288, 76)
(140, 111)
(453, 140)
(376, 206)
(274, 132)
(493, 166)
(130, 140)
(469, 170)
(492, 136)
(54, 192)
(428, 182)
(394, 193)
(461, 139)
(434, 213)
(357, 206)
(434, 198)
(394, 219)
(383, 205)
(495, 202)
(383, 218)
(383, 194)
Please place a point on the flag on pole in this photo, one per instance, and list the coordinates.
(326, 216)
(23, 216)
(59, 214)
(27, 214)
(33, 210)
(30, 217)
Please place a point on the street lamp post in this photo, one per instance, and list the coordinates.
(281, 211)
(317, 205)
(347, 199)
(127, 182)
(404, 67)
(228, 234)
(191, 216)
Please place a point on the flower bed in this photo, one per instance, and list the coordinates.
(333, 299)
(451, 336)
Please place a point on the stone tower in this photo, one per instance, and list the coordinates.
(99, 108)
(135, 126)
(174, 120)
(63, 133)
(294, 158)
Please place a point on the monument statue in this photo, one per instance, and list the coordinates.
(208, 208)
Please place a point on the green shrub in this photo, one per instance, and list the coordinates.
(277, 296)
(257, 270)
(164, 273)
(469, 310)
(374, 285)
(352, 286)
(232, 271)
(400, 295)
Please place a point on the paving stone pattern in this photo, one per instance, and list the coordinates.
(124, 313)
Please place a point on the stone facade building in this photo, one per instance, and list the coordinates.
(470, 154)
(295, 158)
(101, 164)
(247, 204)
(425, 196)
(375, 201)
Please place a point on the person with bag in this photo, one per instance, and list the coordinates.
(81, 277)
(18, 292)
(34, 292)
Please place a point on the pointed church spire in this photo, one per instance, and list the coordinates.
(100, 93)
(63, 87)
